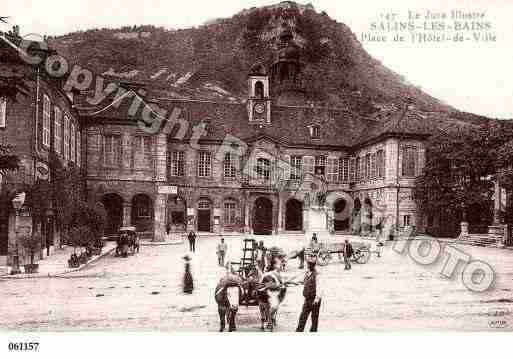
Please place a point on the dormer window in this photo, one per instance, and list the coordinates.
(315, 131)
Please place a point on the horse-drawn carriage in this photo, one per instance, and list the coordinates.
(127, 242)
(326, 252)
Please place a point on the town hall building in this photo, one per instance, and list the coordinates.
(253, 167)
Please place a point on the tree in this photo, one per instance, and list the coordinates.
(458, 175)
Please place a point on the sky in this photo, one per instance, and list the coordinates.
(473, 76)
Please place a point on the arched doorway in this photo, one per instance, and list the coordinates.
(142, 213)
(294, 215)
(340, 216)
(263, 216)
(176, 214)
(204, 215)
(113, 204)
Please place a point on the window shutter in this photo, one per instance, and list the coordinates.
(332, 170)
(286, 168)
(308, 167)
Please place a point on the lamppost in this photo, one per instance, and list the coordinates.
(17, 203)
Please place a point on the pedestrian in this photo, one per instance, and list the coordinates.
(192, 241)
(261, 255)
(348, 253)
(188, 282)
(221, 252)
(312, 293)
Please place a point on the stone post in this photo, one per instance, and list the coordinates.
(464, 230)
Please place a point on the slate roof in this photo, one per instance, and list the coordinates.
(289, 124)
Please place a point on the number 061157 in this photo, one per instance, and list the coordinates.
(23, 346)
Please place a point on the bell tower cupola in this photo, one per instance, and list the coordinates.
(286, 71)
(259, 102)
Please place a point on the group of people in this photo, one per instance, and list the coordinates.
(312, 285)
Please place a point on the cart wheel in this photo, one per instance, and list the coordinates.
(364, 256)
(323, 258)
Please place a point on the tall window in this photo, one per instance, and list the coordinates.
(263, 168)
(409, 161)
(111, 149)
(57, 129)
(204, 164)
(66, 137)
(295, 167)
(79, 147)
(358, 173)
(343, 168)
(178, 164)
(72, 141)
(333, 170)
(373, 170)
(46, 120)
(352, 170)
(320, 165)
(230, 212)
(367, 168)
(3, 111)
(230, 165)
(142, 151)
(381, 163)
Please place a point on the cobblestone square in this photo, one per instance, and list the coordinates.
(143, 292)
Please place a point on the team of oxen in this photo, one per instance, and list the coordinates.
(256, 287)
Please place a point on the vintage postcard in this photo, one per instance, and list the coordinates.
(255, 166)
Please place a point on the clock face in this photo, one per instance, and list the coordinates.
(259, 108)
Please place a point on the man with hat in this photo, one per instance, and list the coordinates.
(312, 292)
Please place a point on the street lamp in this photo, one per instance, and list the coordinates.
(17, 203)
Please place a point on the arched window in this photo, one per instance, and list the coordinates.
(259, 89)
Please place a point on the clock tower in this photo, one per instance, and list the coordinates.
(259, 102)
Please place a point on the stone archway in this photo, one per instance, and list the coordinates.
(340, 218)
(294, 215)
(113, 204)
(263, 216)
